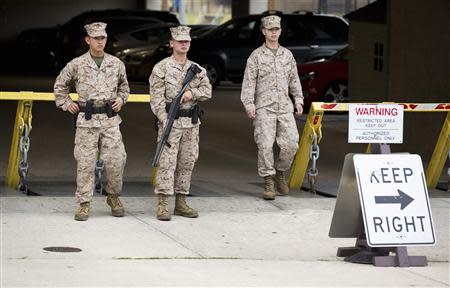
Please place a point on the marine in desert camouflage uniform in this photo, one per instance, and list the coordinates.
(100, 79)
(177, 160)
(270, 75)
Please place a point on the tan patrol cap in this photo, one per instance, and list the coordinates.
(96, 29)
(271, 21)
(180, 33)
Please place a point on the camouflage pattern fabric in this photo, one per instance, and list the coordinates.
(96, 29)
(166, 81)
(180, 33)
(268, 80)
(270, 126)
(271, 21)
(101, 85)
(112, 152)
(178, 160)
(93, 83)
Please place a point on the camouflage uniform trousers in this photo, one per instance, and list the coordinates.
(177, 161)
(112, 151)
(270, 126)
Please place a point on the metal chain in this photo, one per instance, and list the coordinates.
(98, 176)
(314, 154)
(24, 147)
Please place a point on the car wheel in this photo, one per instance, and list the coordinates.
(337, 92)
(214, 72)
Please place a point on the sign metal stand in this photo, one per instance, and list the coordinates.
(348, 215)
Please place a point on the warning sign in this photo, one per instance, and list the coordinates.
(375, 123)
(394, 200)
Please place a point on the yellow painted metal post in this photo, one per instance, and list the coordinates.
(154, 173)
(23, 115)
(439, 156)
(300, 165)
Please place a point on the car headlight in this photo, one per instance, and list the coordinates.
(308, 76)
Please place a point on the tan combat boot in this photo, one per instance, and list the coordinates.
(82, 213)
(269, 189)
(163, 210)
(115, 204)
(280, 181)
(182, 209)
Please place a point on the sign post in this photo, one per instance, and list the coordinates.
(382, 197)
(394, 203)
(375, 123)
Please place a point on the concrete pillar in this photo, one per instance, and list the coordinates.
(153, 4)
(165, 5)
(258, 6)
(182, 11)
(323, 5)
(240, 8)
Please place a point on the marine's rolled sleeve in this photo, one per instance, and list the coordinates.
(123, 89)
(295, 87)
(249, 84)
(157, 91)
(61, 87)
(202, 90)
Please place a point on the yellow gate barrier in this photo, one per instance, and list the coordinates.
(24, 116)
(313, 130)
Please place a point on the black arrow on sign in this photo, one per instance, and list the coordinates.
(402, 198)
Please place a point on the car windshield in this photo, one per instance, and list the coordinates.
(326, 27)
(123, 25)
(228, 28)
(152, 34)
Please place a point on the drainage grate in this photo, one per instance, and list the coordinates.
(62, 249)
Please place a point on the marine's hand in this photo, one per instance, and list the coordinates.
(299, 109)
(117, 105)
(73, 108)
(187, 96)
(251, 113)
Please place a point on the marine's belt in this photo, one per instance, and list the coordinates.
(181, 112)
(90, 109)
(95, 110)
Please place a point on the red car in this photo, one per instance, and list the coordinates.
(325, 80)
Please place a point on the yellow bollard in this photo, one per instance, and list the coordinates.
(313, 126)
(23, 115)
(439, 156)
(154, 173)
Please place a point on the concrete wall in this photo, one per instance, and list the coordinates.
(366, 84)
(419, 36)
(420, 66)
(153, 4)
(337, 7)
(18, 15)
(294, 5)
(240, 8)
(258, 6)
(416, 61)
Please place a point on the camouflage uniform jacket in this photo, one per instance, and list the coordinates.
(165, 83)
(269, 78)
(93, 83)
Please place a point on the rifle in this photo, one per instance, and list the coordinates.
(174, 107)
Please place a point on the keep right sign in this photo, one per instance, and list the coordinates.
(394, 200)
